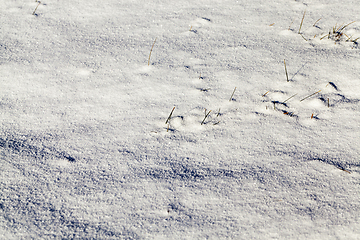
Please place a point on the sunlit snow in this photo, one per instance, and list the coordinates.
(86, 152)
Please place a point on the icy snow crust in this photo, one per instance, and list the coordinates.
(85, 151)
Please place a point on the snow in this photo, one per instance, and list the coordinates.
(86, 153)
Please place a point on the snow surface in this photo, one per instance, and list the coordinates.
(86, 153)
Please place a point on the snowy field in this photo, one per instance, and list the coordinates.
(89, 148)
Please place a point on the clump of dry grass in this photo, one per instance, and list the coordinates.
(337, 33)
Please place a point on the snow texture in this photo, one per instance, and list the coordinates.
(85, 151)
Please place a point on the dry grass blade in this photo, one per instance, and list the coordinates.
(349, 38)
(316, 22)
(310, 95)
(289, 98)
(206, 115)
(291, 24)
(340, 29)
(218, 114)
(36, 8)
(303, 37)
(302, 20)
(151, 51)
(168, 119)
(327, 35)
(232, 94)
(265, 93)
(343, 169)
(287, 76)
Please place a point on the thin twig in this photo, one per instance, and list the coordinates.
(151, 51)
